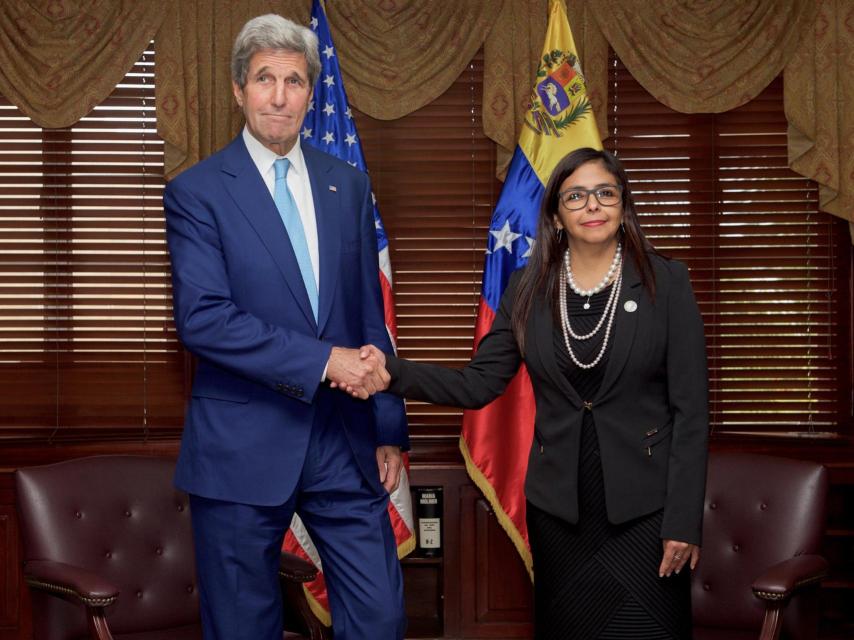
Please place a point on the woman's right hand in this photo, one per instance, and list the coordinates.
(380, 380)
(369, 352)
(676, 555)
(363, 380)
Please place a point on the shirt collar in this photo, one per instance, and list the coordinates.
(264, 157)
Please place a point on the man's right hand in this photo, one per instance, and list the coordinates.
(359, 376)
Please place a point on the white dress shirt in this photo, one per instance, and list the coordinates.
(298, 183)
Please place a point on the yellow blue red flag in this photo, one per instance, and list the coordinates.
(496, 439)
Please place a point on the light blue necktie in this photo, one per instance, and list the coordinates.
(293, 225)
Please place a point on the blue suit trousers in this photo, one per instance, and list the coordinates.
(238, 545)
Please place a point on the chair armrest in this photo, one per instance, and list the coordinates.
(67, 580)
(778, 582)
(296, 569)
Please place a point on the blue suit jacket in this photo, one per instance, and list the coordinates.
(241, 307)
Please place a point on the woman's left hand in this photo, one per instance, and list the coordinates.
(676, 555)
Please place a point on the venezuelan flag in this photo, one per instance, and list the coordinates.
(496, 439)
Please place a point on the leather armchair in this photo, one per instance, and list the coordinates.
(108, 554)
(760, 567)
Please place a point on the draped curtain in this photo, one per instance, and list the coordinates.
(62, 57)
(714, 55)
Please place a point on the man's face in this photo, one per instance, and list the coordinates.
(275, 98)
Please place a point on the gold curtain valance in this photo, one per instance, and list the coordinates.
(704, 56)
(63, 57)
(819, 94)
(398, 55)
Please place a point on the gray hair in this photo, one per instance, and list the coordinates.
(272, 31)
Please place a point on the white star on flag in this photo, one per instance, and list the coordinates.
(329, 81)
(306, 133)
(504, 237)
(328, 52)
(349, 113)
(329, 109)
(314, 23)
(530, 240)
(329, 137)
(311, 106)
(350, 139)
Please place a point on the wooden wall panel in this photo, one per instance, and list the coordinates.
(498, 602)
(504, 590)
(8, 567)
(14, 600)
(422, 578)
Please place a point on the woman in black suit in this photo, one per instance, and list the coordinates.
(613, 341)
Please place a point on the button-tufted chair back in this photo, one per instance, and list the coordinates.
(120, 517)
(760, 510)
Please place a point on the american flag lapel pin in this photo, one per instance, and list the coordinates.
(332, 187)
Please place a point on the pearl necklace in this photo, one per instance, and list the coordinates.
(609, 312)
(589, 293)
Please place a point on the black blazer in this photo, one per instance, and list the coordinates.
(651, 410)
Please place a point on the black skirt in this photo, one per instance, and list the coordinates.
(595, 580)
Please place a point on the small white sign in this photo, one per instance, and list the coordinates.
(429, 533)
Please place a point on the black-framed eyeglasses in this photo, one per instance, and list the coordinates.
(576, 198)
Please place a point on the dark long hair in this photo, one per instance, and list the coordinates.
(540, 277)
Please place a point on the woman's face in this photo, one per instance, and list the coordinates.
(596, 221)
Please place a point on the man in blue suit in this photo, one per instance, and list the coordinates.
(274, 275)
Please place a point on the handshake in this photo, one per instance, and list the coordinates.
(359, 372)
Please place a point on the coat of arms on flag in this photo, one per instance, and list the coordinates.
(560, 97)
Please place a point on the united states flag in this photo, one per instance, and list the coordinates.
(329, 126)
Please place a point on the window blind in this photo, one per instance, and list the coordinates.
(87, 343)
(770, 271)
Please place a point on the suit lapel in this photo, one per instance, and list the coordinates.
(543, 335)
(252, 197)
(327, 210)
(625, 326)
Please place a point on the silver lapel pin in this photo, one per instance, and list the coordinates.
(631, 306)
